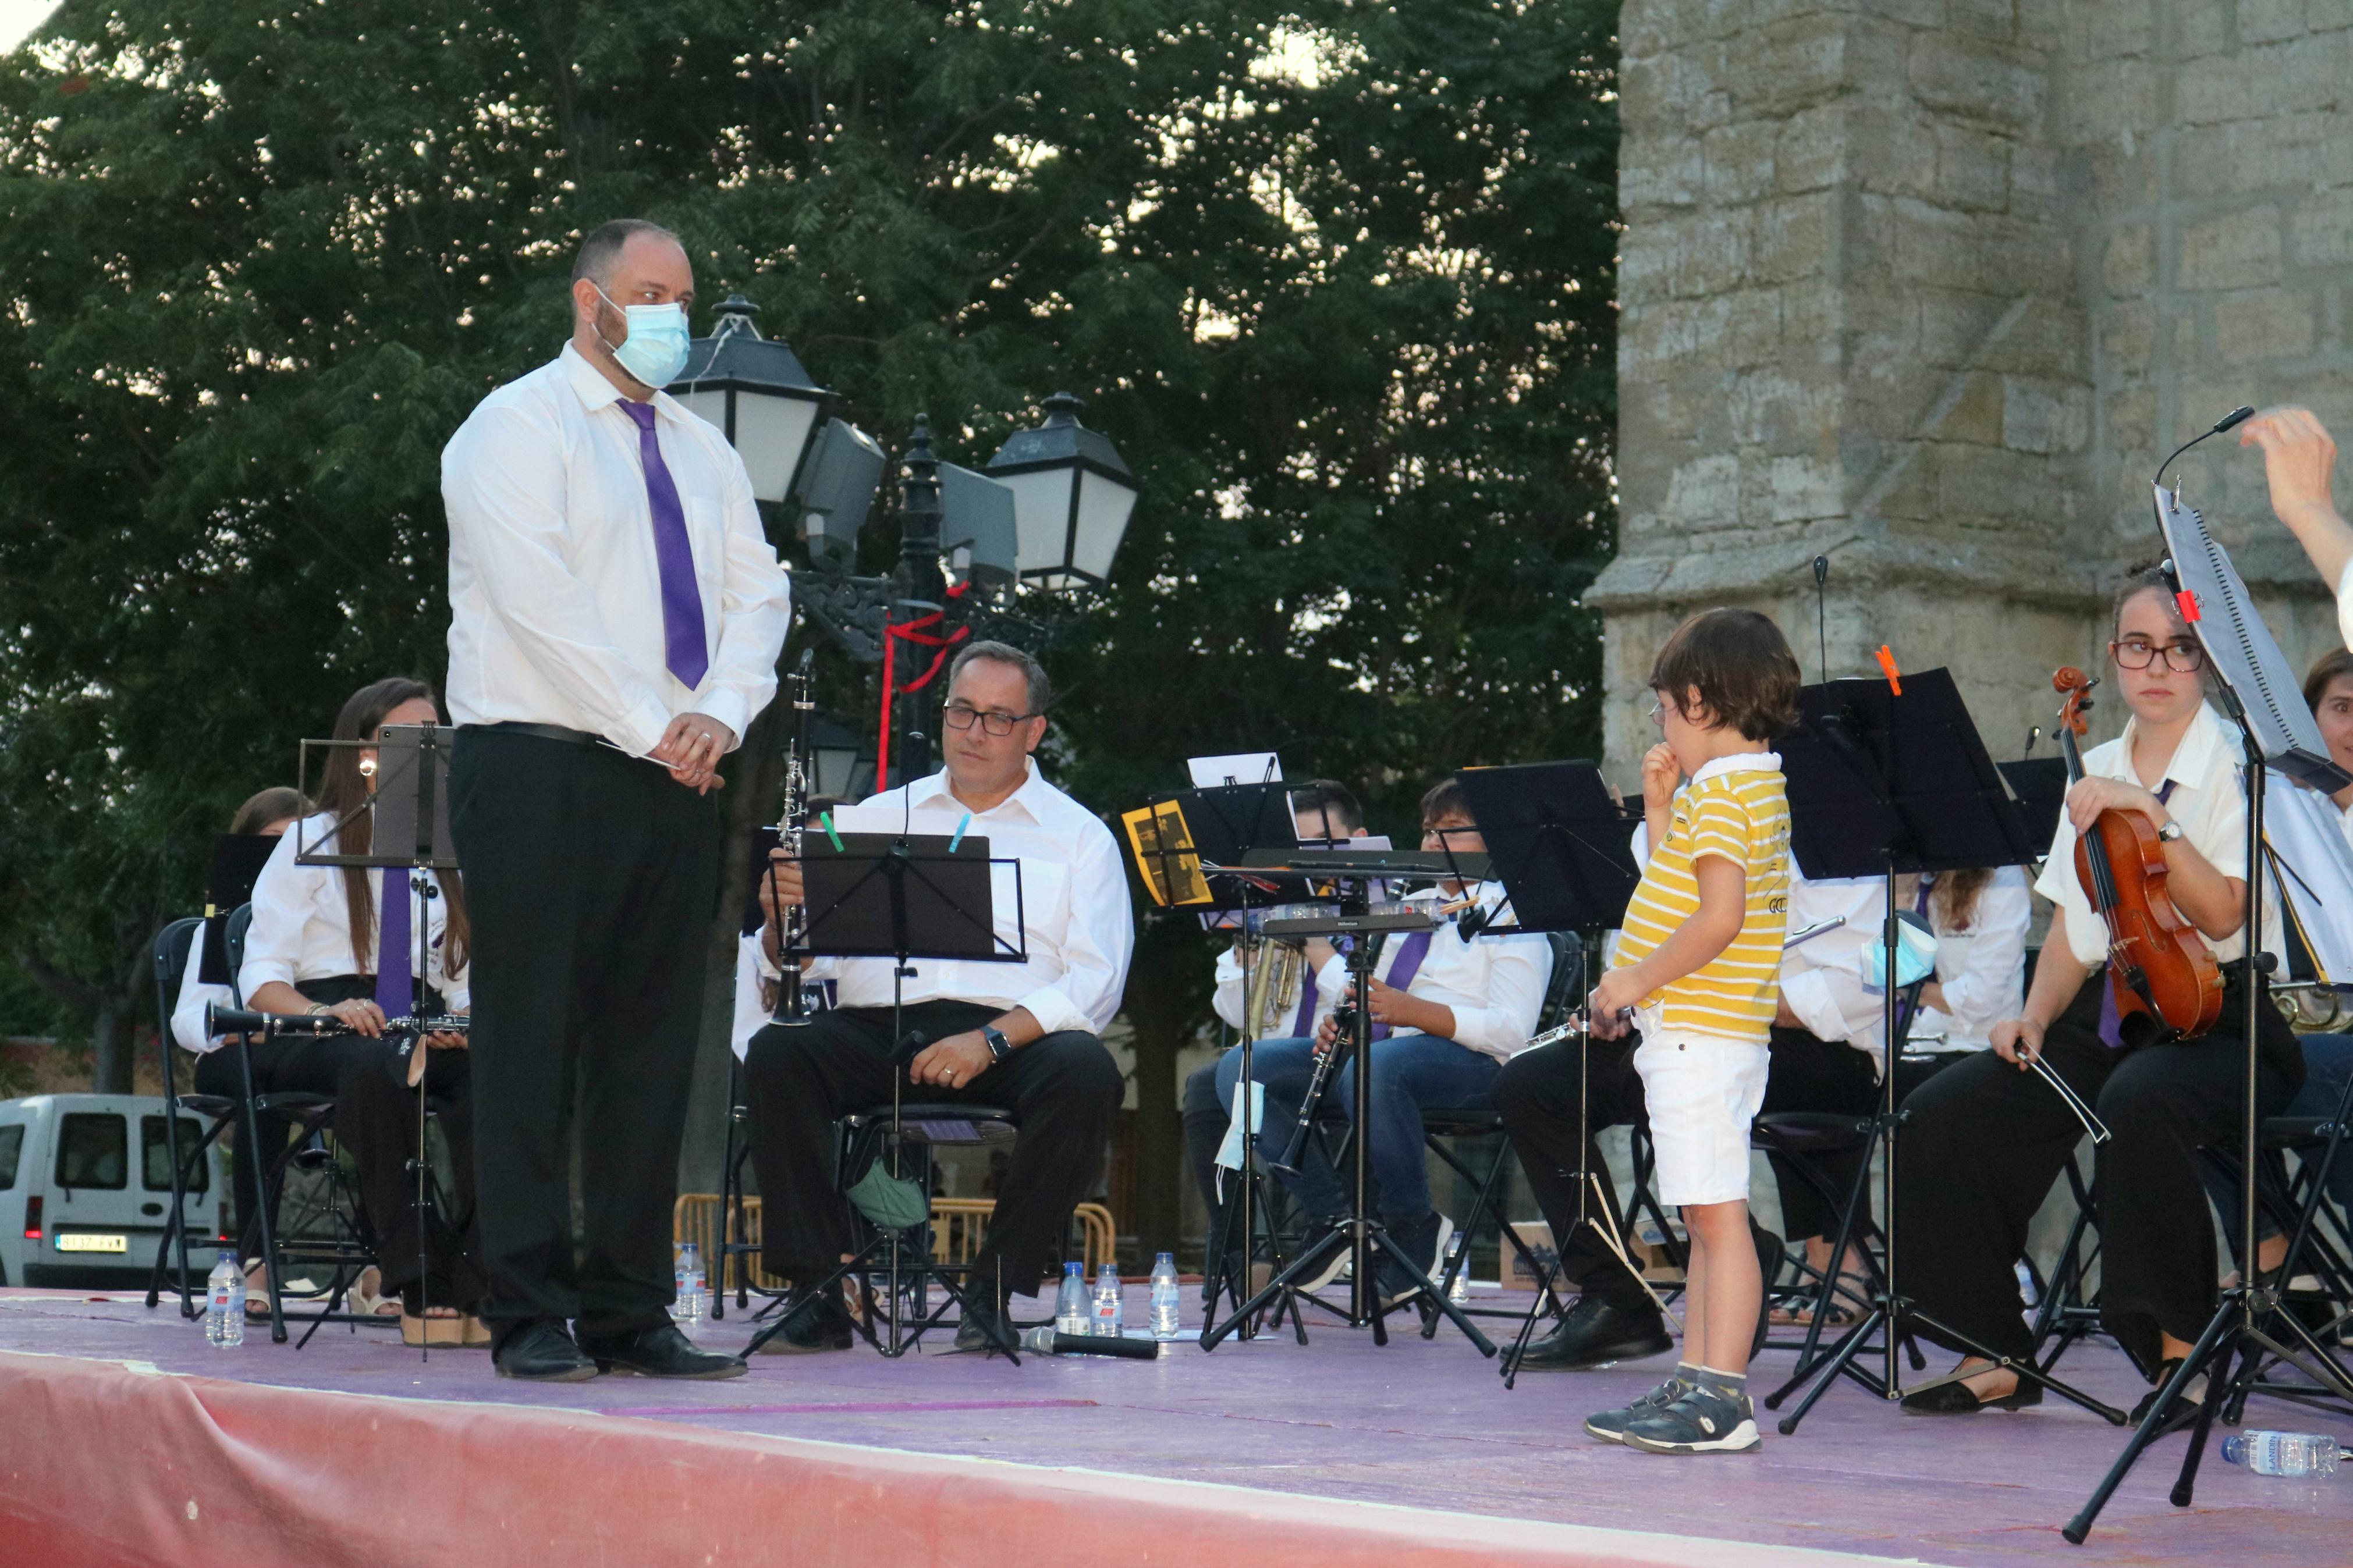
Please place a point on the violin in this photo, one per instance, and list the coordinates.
(2166, 983)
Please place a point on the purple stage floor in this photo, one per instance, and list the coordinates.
(1422, 1424)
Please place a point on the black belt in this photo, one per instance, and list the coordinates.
(537, 731)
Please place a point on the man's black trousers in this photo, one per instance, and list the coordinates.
(1537, 1094)
(1063, 1090)
(591, 878)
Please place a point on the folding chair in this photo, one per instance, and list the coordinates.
(175, 948)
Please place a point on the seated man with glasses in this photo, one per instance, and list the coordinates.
(1023, 1036)
(1984, 1141)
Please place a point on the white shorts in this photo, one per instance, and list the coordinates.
(1701, 1092)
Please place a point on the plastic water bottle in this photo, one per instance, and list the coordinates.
(1072, 1312)
(1165, 1294)
(1109, 1315)
(693, 1300)
(225, 1305)
(2282, 1453)
(2026, 1291)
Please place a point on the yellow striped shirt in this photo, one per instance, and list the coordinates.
(1737, 808)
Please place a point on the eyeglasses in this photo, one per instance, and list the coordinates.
(2138, 653)
(1659, 713)
(960, 716)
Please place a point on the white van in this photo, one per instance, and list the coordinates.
(86, 1188)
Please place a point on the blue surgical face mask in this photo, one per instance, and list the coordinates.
(655, 351)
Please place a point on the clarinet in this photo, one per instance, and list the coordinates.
(792, 1008)
(1319, 1077)
(220, 1020)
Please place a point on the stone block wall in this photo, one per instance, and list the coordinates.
(1929, 287)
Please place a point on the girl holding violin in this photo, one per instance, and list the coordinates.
(1984, 1141)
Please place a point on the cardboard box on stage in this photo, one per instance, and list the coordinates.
(1537, 1237)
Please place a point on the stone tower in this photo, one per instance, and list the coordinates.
(1930, 287)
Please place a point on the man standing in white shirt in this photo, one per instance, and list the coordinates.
(1025, 1036)
(616, 612)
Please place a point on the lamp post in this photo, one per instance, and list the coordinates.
(756, 390)
(1073, 496)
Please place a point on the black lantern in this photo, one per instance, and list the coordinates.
(756, 390)
(1072, 497)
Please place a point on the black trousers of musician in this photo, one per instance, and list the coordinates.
(1983, 1142)
(1064, 1091)
(280, 1066)
(591, 878)
(376, 1121)
(1809, 1073)
(1536, 1093)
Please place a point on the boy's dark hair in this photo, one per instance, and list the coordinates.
(1445, 799)
(1330, 799)
(1746, 676)
(2326, 668)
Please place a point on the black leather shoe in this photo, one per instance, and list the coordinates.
(985, 1327)
(542, 1352)
(2185, 1407)
(660, 1352)
(1595, 1333)
(813, 1323)
(1958, 1399)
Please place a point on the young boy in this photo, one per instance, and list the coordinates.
(1698, 971)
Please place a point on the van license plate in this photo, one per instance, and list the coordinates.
(86, 1241)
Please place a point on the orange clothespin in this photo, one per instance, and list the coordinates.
(1887, 664)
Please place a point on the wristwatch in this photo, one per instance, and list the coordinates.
(999, 1048)
(2169, 831)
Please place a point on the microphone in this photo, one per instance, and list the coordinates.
(2231, 421)
(1821, 617)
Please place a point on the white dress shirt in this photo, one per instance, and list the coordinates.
(555, 593)
(1981, 966)
(2207, 802)
(1494, 986)
(1227, 998)
(188, 1007)
(1073, 890)
(302, 927)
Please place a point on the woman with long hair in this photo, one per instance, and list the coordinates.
(329, 939)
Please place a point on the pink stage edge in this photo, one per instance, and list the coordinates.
(129, 1440)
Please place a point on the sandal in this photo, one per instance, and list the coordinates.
(365, 1296)
(1960, 1399)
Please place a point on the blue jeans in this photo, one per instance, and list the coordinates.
(1409, 1071)
(2328, 1063)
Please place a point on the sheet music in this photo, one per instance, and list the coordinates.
(1235, 768)
(2313, 877)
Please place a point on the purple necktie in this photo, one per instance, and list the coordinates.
(2111, 1020)
(682, 646)
(1411, 953)
(1304, 1027)
(395, 988)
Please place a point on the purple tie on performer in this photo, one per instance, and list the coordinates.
(1411, 953)
(395, 987)
(684, 647)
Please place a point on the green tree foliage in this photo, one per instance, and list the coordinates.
(1335, 277)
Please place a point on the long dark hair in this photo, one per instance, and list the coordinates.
(343, 790)
(1956, 893)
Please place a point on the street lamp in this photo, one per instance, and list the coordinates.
(1071, 498)
(754, 390)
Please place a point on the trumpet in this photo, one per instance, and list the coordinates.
(792, 1007)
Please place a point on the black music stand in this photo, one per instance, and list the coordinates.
(1884, 783)
(1223, 826)
(1355, 872)
(408, 813)
(2258, 690)
(1561, 842)
(2040, 786)
(903, 896)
